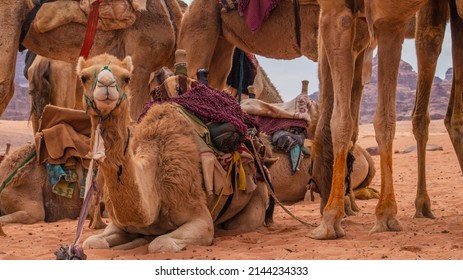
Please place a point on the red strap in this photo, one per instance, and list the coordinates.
(92, 23)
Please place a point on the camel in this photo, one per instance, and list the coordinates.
(151, 41)
(28, 198)
(291, 186)
(52, 82)
(153, 189)
(209, 37)
(27, 194)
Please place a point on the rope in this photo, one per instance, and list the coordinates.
(9, 178)
(270, 187)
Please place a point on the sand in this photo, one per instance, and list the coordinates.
(438, 239)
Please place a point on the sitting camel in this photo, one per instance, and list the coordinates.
(59, 29)
(153, 184)
(26, 193)
(290, 181)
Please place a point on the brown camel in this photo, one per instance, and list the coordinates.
(209, 36)
(292, 187)
(154, 189)
(151, 41)
(52, 82)
(28, 198)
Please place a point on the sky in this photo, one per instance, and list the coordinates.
(287, 75)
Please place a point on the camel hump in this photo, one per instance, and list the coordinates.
(113, 15)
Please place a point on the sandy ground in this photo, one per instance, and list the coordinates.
(438, 239)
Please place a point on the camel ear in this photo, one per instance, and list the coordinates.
(127, 63)
(80, 65)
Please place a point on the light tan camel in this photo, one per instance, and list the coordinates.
(154, 189)
(150, 41)
(28, 198)
(52, 82)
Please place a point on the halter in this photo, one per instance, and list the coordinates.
(89, 101)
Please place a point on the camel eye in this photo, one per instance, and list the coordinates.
(84, 79)
(126, 80)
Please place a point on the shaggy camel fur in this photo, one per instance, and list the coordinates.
(151, 41)
(28, 198)
(154, 189)
(52, 82)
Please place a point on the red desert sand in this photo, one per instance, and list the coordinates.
(438, 239)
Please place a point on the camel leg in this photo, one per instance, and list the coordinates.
(390, 39)
(113, 237)
(351, 207)
(431, 23)
(322, 149)
(253, 215)
(221, 64)
(204, 44)
(337, 32)
(12, 15)
(454, 116)
(24, 217)
(2, 233)
(197, 231)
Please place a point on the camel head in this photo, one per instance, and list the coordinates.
(105, 80)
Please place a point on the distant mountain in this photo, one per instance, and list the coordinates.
(406, 92)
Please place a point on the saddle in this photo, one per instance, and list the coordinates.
(113, 14)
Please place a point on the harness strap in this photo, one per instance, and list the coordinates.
(90, 32)
(10, 177)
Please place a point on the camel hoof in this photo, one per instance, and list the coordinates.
(425, 214)
(392, 224)
(326, 233)
(164, 244)
(95, 242)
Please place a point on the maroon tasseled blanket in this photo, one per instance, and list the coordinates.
(271, 125)
(256, 11)
(211, 105)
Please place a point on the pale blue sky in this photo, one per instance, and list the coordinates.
(287, 75)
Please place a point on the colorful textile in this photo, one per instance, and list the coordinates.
(256, 11)
(63, 181)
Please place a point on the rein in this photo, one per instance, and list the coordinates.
(270, 185)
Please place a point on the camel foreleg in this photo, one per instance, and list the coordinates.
(197, 231)
(390, 40)
(114, 237)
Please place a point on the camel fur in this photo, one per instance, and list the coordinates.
(52, 82)
(29, 199)
(154, 190)
(150, 41)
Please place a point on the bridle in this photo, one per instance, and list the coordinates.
(89, 99)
